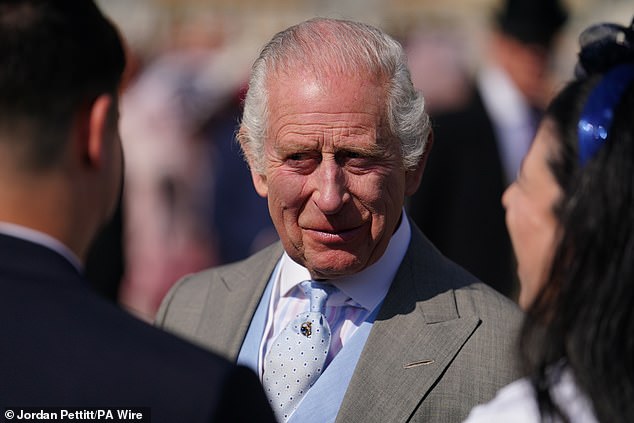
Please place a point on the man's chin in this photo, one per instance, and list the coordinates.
(333, 266)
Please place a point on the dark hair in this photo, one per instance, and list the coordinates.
(54, 57)
(532, 21)
(584, 315)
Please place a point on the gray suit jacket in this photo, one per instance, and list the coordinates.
(441, 343)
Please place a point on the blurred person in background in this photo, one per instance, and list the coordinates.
(167, 200)
(189, 203)
(438, 58)
(570, 214)
(61, 64)
(480, 145)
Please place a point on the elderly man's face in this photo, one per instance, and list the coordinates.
(333, 178)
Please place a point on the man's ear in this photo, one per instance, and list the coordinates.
(414, 177)
(96, 130)
(260, 183)
(259, 179)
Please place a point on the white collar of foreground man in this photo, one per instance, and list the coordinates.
(368, 287)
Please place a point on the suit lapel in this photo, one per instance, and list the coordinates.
(234, 301)
(415, 337)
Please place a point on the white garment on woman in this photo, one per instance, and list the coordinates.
(516, 403)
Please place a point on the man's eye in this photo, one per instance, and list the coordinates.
(352, 158)
(296, 159)
(301, 161)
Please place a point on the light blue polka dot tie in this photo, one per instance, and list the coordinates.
(298, 354)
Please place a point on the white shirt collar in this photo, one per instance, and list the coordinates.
(37, 237)
(513, 121)
(501, 97)
(368, 287)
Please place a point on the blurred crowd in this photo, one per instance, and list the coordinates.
(188, 201)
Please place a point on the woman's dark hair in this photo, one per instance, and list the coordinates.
(583, 318)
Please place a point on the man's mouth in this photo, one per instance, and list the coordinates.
(333, 236)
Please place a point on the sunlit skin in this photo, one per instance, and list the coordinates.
(532, 224)
(334, 178)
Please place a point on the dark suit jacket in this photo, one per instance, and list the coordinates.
(61, 345)
(441, 343)
(458, 205)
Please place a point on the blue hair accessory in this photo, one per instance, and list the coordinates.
(598, 113)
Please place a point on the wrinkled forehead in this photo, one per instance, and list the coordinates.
(346, 97)
(341, 110)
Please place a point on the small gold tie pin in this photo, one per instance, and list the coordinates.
(306, 329)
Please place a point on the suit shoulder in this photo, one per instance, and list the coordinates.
(209, 380)
(193, 285)
(185, 301)
(481, 299)
(137, 363)
(495, 341)
(189, 293)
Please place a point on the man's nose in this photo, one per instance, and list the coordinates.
(330, 187)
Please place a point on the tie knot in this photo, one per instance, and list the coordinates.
(318, 293)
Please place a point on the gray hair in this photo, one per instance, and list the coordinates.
(347, 48)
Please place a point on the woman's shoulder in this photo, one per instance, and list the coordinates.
(515, 402)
